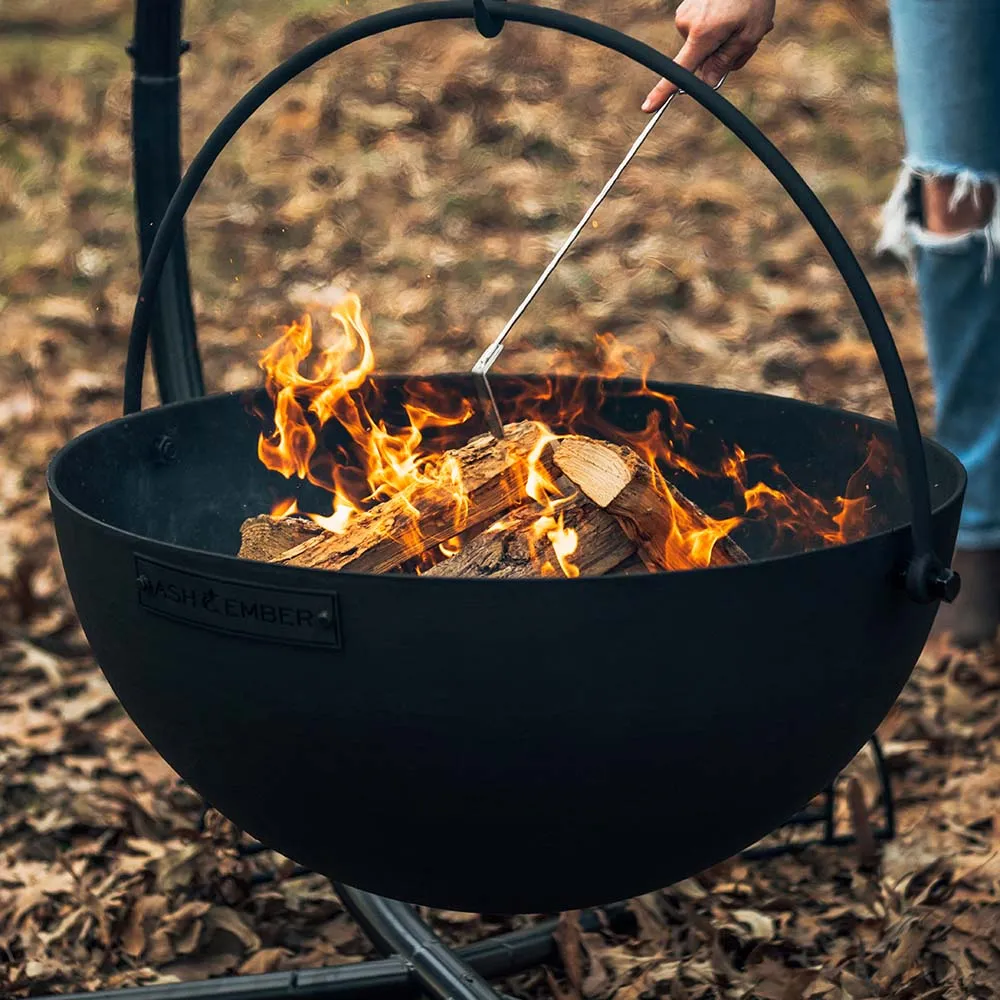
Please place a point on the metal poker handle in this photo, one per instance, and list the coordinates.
(480, 369)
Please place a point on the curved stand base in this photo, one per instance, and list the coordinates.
(416, 961)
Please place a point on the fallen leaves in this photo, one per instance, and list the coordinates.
(436, 179)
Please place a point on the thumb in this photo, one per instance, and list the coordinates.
(697, 48)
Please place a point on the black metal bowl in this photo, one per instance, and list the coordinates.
(500, 746)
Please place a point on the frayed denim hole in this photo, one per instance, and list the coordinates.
(902, 228)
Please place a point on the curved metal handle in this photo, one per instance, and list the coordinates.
(927, 578)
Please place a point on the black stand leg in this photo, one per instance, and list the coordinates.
(423, 965)
(395, 929)
(156, 52)
(823, 817)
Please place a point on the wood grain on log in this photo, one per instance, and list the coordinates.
(264, 538)
(380, 539)
(507, 552)
(620, 481)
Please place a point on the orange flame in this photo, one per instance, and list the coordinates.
(285, 507)
(564, 542)
(391, 459)
(329, 428)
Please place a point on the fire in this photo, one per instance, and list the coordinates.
(391, 460)
(451, 547)
(285, 507)
(330, 428)
(564, 542)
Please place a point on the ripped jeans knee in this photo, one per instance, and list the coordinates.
(960, 306)
(904, 229)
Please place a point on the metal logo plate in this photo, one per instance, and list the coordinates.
(302, 617)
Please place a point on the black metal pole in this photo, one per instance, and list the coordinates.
(391, 978)
(156, 50)
(395, 929)
(885, 778)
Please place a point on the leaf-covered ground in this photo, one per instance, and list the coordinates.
(433, 173)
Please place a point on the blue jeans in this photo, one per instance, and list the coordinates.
(948, 65)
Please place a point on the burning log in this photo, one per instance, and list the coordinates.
(432, 505)
(264, 538)
(653, 512)
(381, 539)
(608, 511)
(519, 546)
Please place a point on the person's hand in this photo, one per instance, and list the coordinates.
(719, 36)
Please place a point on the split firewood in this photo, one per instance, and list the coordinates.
(514, 548)
(264, 538)
(626, 518)
(620, 481)
(379, 540)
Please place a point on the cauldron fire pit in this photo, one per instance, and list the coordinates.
(353, 744)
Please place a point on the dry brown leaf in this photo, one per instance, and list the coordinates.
(263, 961)
(568, 937)
(855, 987)
(226, 920)
(761, 926)
(436, 180)
(176, 868)
(141, 921)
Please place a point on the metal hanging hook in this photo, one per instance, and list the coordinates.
(481, 368)
(489, 25)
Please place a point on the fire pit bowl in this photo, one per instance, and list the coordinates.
(500, 745)
(487, 745)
